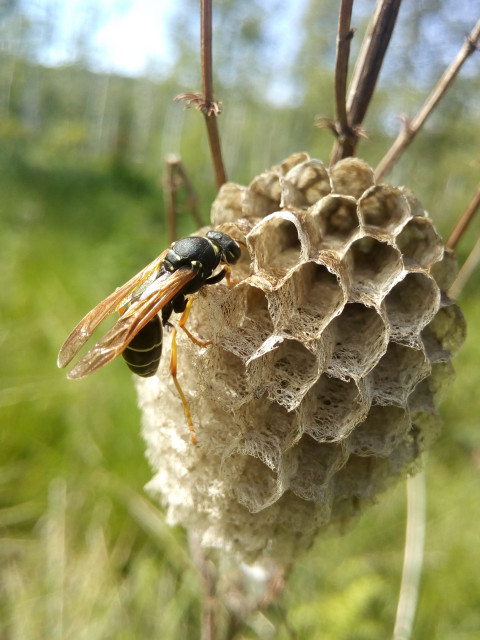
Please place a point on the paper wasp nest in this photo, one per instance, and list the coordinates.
(328, 360)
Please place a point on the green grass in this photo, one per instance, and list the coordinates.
(75, 523)
(84, 554)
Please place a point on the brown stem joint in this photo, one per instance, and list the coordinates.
(198, 100)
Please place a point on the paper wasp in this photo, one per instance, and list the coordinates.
(164, 286)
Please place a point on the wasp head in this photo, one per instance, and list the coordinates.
(228, 246)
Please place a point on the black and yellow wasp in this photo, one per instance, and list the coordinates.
(163, 287)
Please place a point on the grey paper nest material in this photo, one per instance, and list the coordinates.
(328, 361)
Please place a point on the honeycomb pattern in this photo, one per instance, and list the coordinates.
(329, 359)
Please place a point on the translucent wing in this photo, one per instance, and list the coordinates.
(137, 315)
(96, 316)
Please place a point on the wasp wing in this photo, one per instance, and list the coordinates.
(137, 315)
(96, 316)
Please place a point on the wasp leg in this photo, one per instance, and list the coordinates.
(226, 273)
(217, 278)
(228, 276)
(173, 372)
(182, 322)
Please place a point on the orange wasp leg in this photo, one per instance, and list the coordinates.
(200, 343)
(173, 363)
(184, 317)
(182, 322)
(173, 372)
(228, 276)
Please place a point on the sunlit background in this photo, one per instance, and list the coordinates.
(87, 119)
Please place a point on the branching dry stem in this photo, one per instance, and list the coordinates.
(365, 74)
(411, 128)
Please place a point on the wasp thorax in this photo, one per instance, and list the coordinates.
(328, 360)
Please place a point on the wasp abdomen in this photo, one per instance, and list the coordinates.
(143, 353)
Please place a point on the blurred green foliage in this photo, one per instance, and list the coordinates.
(83, 552)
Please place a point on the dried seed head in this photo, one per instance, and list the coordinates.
(328, 361)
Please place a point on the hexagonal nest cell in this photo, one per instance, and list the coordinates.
(328, 361)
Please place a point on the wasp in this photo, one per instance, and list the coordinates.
(165, 286)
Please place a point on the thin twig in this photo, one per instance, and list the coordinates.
(473, 259)
(344, 38)
(464, 220)
(170, 196)
(410, 129)
(206, 49)
(468, 267)
(177, 176)
(370, 59)
(413, 557)
(365, 74)
(192, 198)
(204, 101)
(209, 579)
(207, 87)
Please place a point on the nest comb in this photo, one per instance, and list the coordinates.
(328, 362)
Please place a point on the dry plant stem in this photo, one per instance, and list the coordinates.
(370, 59)
(410, 129)
(170, 196)
(206, 49)
(365, 74)
(207, 87)
(413, 557)
(176, 176)
(191, 193)
(344, 37)
(209, 580)
(465, 272)
(473, 259)
(464, 221)
(215, 149)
